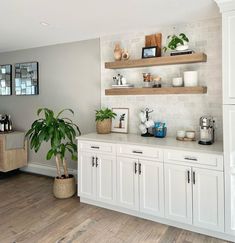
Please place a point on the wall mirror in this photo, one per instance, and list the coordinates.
(5, 79)
(26, 78)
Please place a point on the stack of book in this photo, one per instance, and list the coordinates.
(176, 53)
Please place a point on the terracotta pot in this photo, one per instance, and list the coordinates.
(64, 187)
(104, 127)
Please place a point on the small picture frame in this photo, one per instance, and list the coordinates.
(149, 52)
(120, 122)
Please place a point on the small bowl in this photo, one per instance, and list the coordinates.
(181, 134)
(190, 134)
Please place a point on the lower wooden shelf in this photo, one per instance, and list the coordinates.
(157, 91)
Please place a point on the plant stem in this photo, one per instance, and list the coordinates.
(58, 165)
(65, 168)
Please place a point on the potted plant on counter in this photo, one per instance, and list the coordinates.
(104, 120)
(61, 133)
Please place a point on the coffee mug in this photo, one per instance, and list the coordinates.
(177, 82)
(142, 128)
(149, 123)
(142, 117)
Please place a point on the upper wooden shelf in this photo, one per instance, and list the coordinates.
(156, 91)
(158, 61)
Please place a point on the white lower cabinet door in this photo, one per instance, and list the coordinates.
(151, 187)
(87, 175)
(127, 183)
(106, 178)
(178, 193)
(208, 199)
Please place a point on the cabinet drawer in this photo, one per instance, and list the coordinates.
(203, 160)
(140, 151)
(97, 147)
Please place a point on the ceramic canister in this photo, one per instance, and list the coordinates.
(190, 78)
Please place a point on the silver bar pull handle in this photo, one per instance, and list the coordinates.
(194, 178)
(93, 161)
(140, 169)
(95, 147)
(137, 152)
(188, 175)
(135, 167)
(190, 158)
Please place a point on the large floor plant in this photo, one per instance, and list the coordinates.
(60, 132)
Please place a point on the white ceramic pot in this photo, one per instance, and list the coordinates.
(190, 78)
(177, 82)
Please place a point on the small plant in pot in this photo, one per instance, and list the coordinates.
(104, 120)
(61, 133)
(178, 43)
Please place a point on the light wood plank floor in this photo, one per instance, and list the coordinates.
(30, 213)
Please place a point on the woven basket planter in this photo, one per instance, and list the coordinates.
(104, 127)
(64, 188)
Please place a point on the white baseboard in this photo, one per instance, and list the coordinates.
(43, 169)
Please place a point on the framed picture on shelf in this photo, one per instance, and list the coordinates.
(148, 52)
(120, 122)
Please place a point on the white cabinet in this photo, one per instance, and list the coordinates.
(208, 202)
(140, 185)
(181, 186)
(194, 196)
(97, 173)
(87, 175)
(229, 156)
(151, 187)
(106, 178)
(229, 57)
(127, 183)
(178, 193)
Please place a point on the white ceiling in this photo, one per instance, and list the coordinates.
(72, 20)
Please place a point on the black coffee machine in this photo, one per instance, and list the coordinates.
(5, 123)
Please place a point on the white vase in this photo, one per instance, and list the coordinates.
(190, 78)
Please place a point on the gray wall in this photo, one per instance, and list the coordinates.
(69, 77)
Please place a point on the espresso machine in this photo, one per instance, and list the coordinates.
(207, 130)
(5, 123)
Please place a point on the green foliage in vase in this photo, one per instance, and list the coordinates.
(59, 131)
(103, 114)
(175, 41)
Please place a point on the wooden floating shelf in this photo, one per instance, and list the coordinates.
(156, 91)
(158, 61)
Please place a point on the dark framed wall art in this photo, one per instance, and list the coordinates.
(5, 79)
(26, 78)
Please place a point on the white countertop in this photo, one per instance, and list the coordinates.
(167, 142)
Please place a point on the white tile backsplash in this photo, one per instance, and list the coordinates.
(178, 111)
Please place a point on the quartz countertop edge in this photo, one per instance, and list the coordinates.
(164, 143)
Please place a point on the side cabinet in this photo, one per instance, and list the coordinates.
(208, 199)
(97, 176)
(178, 193)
